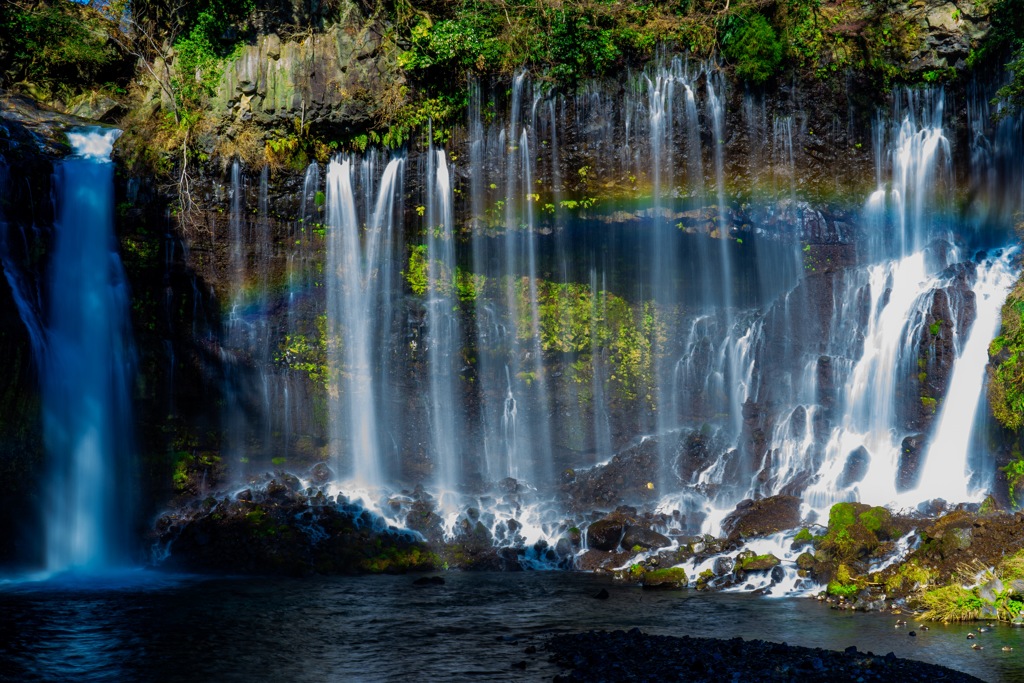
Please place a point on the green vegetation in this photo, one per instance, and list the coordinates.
(951, 603)
(803, 536)
(910, 576)
(1004, 44)
(396, 560)
(843, 584)
(300, 353)
(578, 322)
(672, 577)
(751, 43)
(758, 563)
(59, 48)
(208, 37)
(1006, 371)
(1014, 471)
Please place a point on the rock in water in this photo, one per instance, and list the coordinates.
(429, 581)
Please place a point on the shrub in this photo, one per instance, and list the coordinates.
(752, 45)
(58, 45)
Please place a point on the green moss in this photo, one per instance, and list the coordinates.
(300, 353)
(909, 576)
(935, 327)
(930, 404)
(876, 519)
(843, 584)
(1006, 373)
(397, 560)
(1014, 471)
(672, 577)
(839, 590)
(841, 516)
(803, 536)
(759, 563)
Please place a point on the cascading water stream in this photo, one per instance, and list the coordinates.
(946, 471)
(443, 337)
(354, 290)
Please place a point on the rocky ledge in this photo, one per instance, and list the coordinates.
(276, 525)
(636, 656)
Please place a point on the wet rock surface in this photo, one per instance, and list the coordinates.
(272, 527)
(763, 517)
(636, 656)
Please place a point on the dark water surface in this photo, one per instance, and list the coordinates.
(382, 628)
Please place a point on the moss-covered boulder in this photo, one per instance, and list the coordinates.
(805, 561)
(665, 579)
(855, 531)
(758, 563)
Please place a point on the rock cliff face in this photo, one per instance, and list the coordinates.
(339, 80)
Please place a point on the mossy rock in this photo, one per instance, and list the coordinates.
(843, 515)
(759, 563)
(849, 543)
(877, 520)
(665, 579)
(805, 561)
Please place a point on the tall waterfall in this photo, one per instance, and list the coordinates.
(359, 288)
(84, 353)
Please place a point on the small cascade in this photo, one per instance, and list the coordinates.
(724, 571)
(898, 305)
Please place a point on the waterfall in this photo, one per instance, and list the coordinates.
(86, 368)
(946, 471)
(356, 286)
(444, 338)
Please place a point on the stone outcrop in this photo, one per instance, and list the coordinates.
(342, 79)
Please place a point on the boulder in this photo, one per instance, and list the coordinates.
(638, 536)
(605, 534)
(762, 517)
(856, 468)
(908, 467)
(665, 579)
(758, 563)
